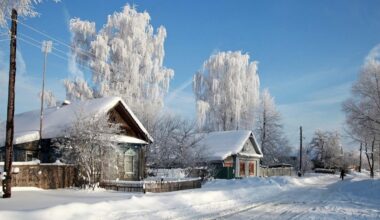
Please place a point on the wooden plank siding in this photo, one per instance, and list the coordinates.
(45, 176)
(120, 115)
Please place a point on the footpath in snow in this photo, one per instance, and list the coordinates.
(311, 197)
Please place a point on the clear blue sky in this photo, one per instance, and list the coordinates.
(309, 52)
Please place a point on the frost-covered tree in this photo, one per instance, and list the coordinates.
(176, 143)
(227, 92)
(125, 58)
(269, 131)
(79, 89)
(89, 145)
(49, 98)
(24, 8)
(325, 149)
(363, 110)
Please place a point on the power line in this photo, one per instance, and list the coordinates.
(40, 43)
(84, 52)
(55, 39)
(57, 55)
(30, 38)
(2, 34)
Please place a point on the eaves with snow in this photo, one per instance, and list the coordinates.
(222, 144)
(57, 121)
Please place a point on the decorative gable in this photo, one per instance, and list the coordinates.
(118, 114)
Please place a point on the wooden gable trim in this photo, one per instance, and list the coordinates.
(119, 114)
(254, 144)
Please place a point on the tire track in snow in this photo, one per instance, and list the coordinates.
(315, 201)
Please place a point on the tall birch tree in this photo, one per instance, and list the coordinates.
(226, 90)
(125, 58)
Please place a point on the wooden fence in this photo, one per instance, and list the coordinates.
(45, 176)
(152, 186)
(125, 186)
(276, 171)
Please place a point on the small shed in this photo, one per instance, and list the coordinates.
(232, 154)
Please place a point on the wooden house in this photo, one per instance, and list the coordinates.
(132, 141)
(232, 154)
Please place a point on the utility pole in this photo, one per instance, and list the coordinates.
(300, 169)
(360, 157)
(46, 48)
(263, 139)
(7, 182)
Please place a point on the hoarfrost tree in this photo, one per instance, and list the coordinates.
(24, 8)
(126, 59)
(89, 145)
(78, 89)
(325, 149)
(227, 92)
(176, 143)
(363, 109)
(269, 131)
(49, 98)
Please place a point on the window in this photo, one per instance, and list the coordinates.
(128, 164)
(228, 164)
(28, 156)
(129, 159)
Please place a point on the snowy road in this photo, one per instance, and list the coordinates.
(310, 197)
(329, 199)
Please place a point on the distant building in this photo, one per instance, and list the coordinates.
(232, 154)
(56, 122)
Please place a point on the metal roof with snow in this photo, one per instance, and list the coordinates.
(222, 144)
(56, 120)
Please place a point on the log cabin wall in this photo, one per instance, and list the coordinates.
(45, 176)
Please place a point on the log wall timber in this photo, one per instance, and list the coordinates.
(45, 176)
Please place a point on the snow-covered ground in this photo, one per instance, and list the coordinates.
(316, 196)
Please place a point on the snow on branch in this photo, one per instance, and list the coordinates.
(125, 58)
(49, 98)
(227, 92)
(24, 8)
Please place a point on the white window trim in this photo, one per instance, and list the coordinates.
(132, 154)
(26, 155)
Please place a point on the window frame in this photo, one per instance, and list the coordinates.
(30, 153)
(129, 155)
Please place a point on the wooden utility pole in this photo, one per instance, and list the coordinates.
(264, 131)
(360, 157)
(300, 169)
(7, 182)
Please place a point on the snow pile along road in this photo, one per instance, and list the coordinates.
(311, 197)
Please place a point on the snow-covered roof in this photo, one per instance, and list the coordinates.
(57, 120)
(222, 144)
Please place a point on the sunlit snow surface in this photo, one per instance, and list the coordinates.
(311, 197)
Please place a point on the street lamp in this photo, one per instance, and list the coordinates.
(46, 48)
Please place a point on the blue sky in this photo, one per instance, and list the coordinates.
(309, 52)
